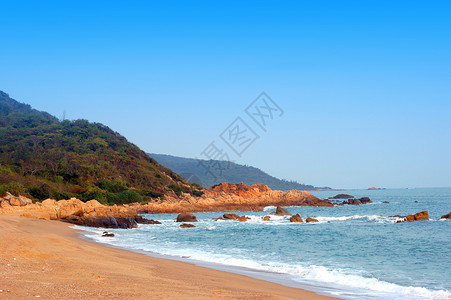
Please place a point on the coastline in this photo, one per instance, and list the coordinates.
(50, 260)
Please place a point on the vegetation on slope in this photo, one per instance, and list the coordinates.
(42, 157)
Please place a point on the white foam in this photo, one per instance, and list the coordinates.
(269, 208)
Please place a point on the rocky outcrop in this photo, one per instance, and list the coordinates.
(296, 219)
(224, 197)
(341, 196)
(448, 216)
(311, 220)
(186, 217)
(184, 225)
(231, 197)
(421, 216)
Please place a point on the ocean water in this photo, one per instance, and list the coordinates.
(354, 252)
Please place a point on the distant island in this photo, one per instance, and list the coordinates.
(192, 170)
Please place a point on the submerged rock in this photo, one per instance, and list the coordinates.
(184, 225)
(243, 219)
(141, 220)
(230, 216)
(341, 196)
(311, 220)
(296, 219)
(186, 217)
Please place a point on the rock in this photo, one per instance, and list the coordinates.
(341, 196)
(243, 219)
(311, 220)
(296, 219)
(266, 218)
(363, 200)
(141, 220)
(70, 207)
(90, 206)
(186, 217)
(385, 202)
(4, 203)
(18, 201)
(415, 201)
(448, 216)
(280, 211)
(230, 216)
(107, 234)
(184, 225)
(49, 202)
(217, 219)
(421, 216)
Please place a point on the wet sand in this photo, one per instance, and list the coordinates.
(48, 260)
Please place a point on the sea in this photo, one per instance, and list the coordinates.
(353, 252)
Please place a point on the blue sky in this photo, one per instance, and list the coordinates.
(365, 85)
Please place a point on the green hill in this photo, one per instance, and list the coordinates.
(43, 157)
(192, 170)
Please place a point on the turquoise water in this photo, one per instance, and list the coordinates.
(354, 252)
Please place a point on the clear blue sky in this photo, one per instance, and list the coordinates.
(365, 85)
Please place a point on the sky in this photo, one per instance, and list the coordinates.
(364, 86)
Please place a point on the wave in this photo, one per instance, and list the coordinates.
(308, 274)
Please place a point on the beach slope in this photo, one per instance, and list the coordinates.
(48, 260)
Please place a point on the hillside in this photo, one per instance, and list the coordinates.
(191, 170)
(43, 157)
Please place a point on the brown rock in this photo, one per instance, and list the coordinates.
(107, 234)
(311, 220)
(266, 218)
(280, 211)
(448, 216)
(296, 219)
(141, 220)
(243, 219)
(186, 217)
(230, 216)
(421, 216)
(217, 219)
(18, 201)
(70, 207)
(187, 225)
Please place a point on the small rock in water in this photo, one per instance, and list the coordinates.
(107, 234)
(448, 216)
(184, 225)
(280, 211)
(296, 219)
(266, 218)
(311, 220)
(186, 217)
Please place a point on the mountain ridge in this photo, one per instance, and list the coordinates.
(194, 170)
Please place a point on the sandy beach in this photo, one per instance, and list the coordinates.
(48, 260)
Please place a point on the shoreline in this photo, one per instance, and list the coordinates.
(51, 260)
